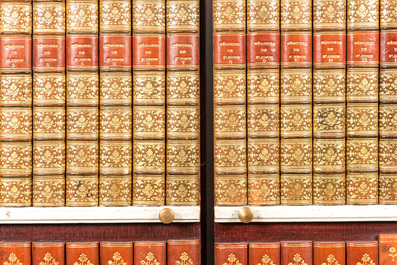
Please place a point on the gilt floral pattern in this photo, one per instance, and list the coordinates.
(263, 155)
(49, 88)
(116, 122)
(15, 158)
(329, 155)
(148, 15)
(82, 191)
(388, 86)
(48, 157)
(16, 17)
(115, 16)
(296, 189)
(362, 119)
(16, 124)
(115, 157)
(15, 192)
(183, 156)
(82, 88)
(183, 88)
(82, 123)
(148, 189)
(149, 156)
(263, 120)
(263, 189)
(49, 191)
(362, 85)
(182, 190)
(329, 14)
(296, 14)
(263, 86)
(388, 155)
(388, 120)
(149, 88)
(183, 15)
(15, 90)
(296, 86)
(296, 120)
(183, 122)
(149, 122)
(329, 120)
(329, 189)
(229, 87)
(362, 188)
(387, 189)
(230, 156)
(48, 122)
(329, 85)
(82, 16)
(49, 17)
(231, 190)
(362, 154)
(263, 14)
(115, 191)
(296, 155)
(363, 14)
(82, 157)
(229, 14)
(230, 121)
(388, 13)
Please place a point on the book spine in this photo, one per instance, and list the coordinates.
(82, 112)
(112, 253)
(329, 105)
(15, 253)
(387, 104)
(231, 253)
(387, 249)
(362, 252)
(48, 253)
(263, 110)
(264, 253)
(149, 82)
(183, 90)
(115, 128)
(296, 102)
(82, 253)
(296, 253)
(229, 72)
(15, 103)
(330, 253)
(49, 86)
(362, 101)
(183, 252)
(150, 253)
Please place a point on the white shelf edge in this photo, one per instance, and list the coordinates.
(75, 215)
(313, 213)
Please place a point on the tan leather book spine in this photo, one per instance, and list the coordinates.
(387, 249)
(147, 253)
(299, 252)
(183, 252)
(113, 253)
(15, 252)
(82, 253)
(330, 253)
(362, 252)
(231, 253)
(264, 253)
(48, 253)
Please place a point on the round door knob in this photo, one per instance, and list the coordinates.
(167, 216)
(245, 215)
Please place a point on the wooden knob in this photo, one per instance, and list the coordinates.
(245, 215)
(167, 216)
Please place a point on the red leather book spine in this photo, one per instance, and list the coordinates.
(82, 253)
(362, 252)
(330, 253)
(113, 253)
(183, 252)
(16, 106)
(387, 249)
(264, 253)
(48, 253)
(362, 103)
(19, 253)
(296, 253)
(150, 253)
(232, 253)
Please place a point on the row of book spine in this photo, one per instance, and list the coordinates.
(99, 102)
(106, 253)
(304, 100)
(382, 252)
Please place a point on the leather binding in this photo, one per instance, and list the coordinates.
(19, 252)
(387, 104)
(229, 72)
(329, 253)
(264, 253)
(150, 253)
(115, 128)
(329, 104)
(82, 105)
(362, 252)
(48, 252)
(362, 101)
(49, 114)
(183, 90)
(299, 252)
(183, 252)
(16, 103)
(82, 253)
(296, 102)
(149, 105)
(263, 111)
(233, 253)
(387, 249)
(113, 253)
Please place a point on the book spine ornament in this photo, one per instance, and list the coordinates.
(263, 111)
(183, 252)
(49, 87)
(296, 253)
(329, 253)
(387, 249)
(15, 253)
(48, 253)
(362, 253)
(150, 253)
(329, 105)
(231, 253)
(264, 253)
(296, 102)
(82, 112)
(82, 253)
(388, 104)
(112, 253)
(362, 101)
(149, 82)
(16, 103)
(115, 128)
(229, 73)
(183, 98)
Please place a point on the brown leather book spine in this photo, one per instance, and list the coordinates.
(362, 252)
(150, 253)
(387, 104)
(362, 101)
(48, 253)
(16, 102)
(231, 253)
(264, 253)
(49, 114)
(115, 128)
(229, 71)
(82, 253)
(183, 62)
(263, 110)
(296, 102)
(183, 252)
(387, 249)
(330, 253)
(329, 104)
(149, 105)
(19, 253)
(299, 252)
(113, 253)
(82, 105)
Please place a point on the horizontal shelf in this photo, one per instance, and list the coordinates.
(340, 213)
(73, 215)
